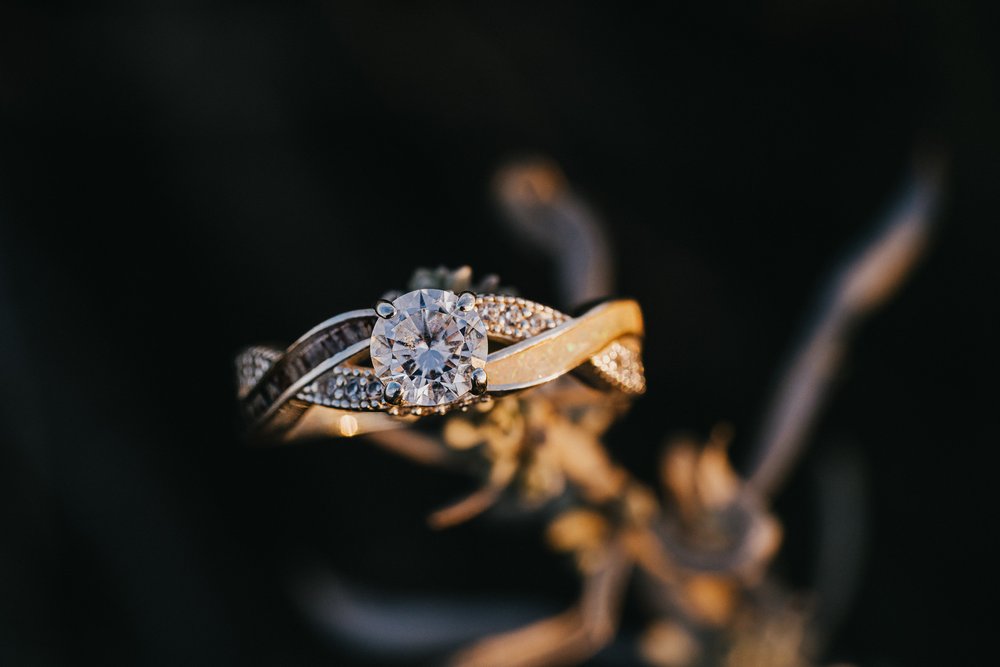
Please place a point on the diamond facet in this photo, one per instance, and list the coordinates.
(430, 346)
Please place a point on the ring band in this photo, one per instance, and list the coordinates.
(430, 351)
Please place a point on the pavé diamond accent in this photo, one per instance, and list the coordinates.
(512, 318)
(620, 365)
(430, 346)
(347, 388)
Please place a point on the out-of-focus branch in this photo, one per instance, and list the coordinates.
(412, 445)
(389, 627)
(540, 207)
(566, 638)
(866, 280)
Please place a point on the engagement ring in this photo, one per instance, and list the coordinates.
(430, 351)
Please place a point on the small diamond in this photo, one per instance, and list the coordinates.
(430, 347)
(353, 389)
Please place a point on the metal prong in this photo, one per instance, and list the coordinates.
(393, 392)
(479, 381)
(466, 301)
(384, 309)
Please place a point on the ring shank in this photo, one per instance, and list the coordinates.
(545, 357)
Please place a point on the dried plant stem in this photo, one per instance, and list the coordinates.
(566, 638)
(866, 280)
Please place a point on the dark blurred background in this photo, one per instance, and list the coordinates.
(180, 179)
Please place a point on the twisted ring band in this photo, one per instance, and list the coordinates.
(430, 351)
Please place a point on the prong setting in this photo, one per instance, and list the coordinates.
(479, 381)
(429, 346)
(393, 392)
(466, 301)
(384, 309)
